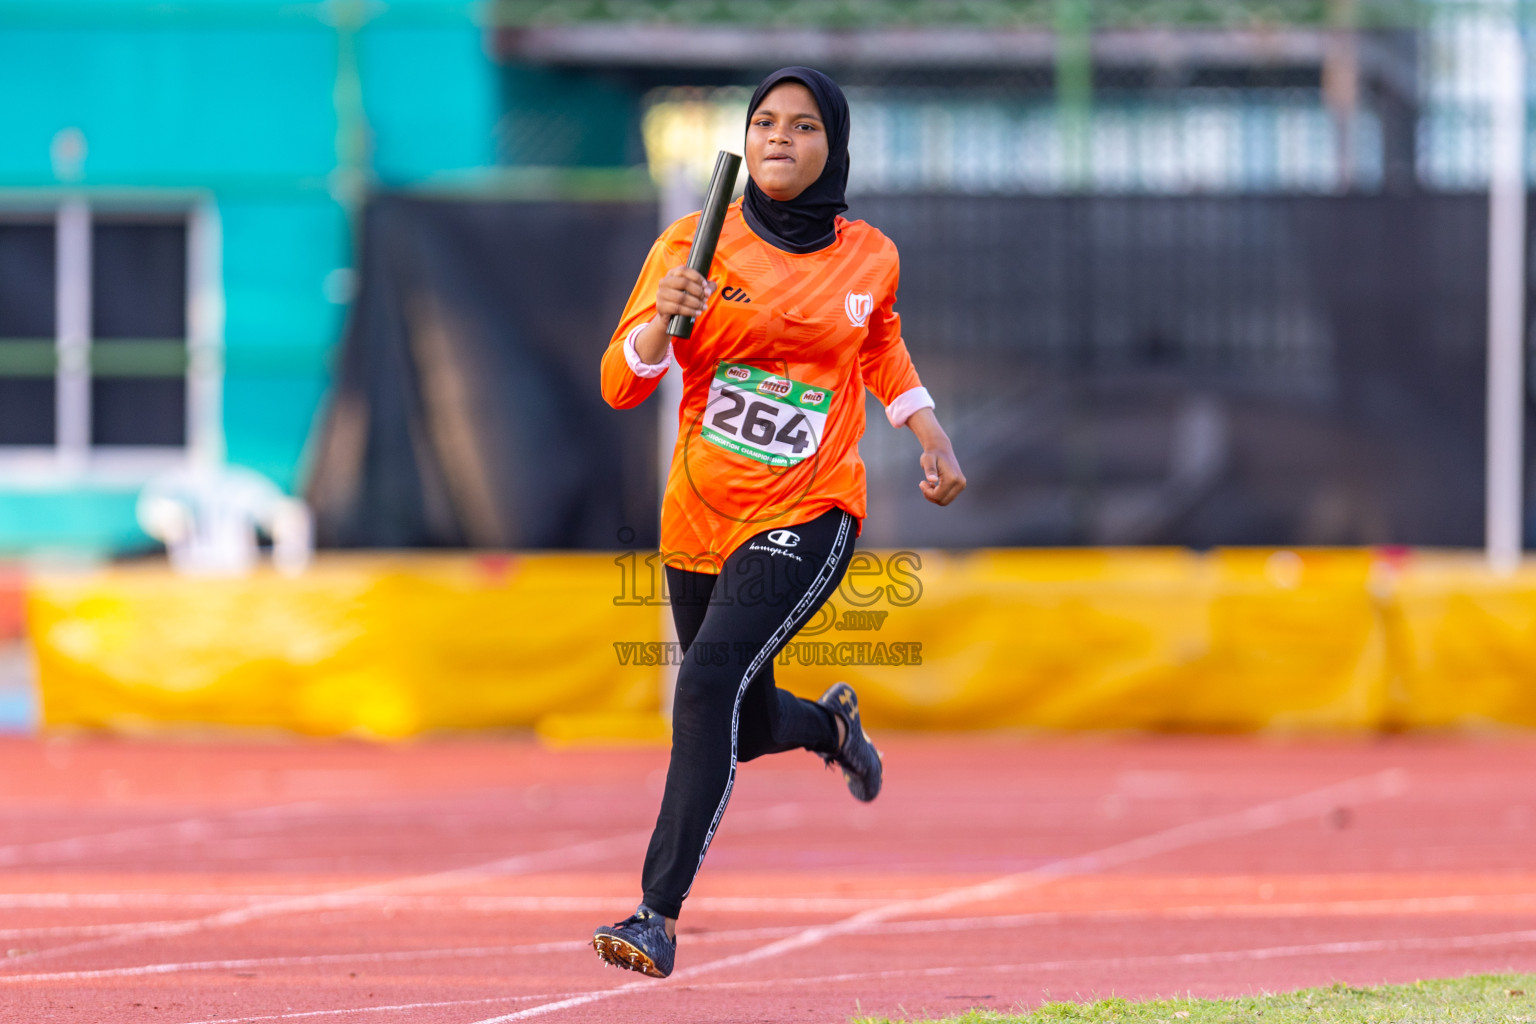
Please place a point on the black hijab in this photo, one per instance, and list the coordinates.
(807, 222)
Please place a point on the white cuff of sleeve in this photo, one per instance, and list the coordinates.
(907, 403)
(644, 369)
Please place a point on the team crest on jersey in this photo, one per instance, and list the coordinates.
(859, 305)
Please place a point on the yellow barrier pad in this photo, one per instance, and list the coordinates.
(1096, 639)
(393, 645)
(1465, 644)
(379, 646)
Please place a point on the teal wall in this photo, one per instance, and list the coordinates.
(240, 100)
(431, 96)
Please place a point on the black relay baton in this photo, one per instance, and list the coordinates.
(721, 184)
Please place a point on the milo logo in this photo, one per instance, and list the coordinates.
(738, 372)
(773, 386)
(812, 397)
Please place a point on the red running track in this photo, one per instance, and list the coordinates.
(459, 881)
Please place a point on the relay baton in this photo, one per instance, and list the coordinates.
(721, 184)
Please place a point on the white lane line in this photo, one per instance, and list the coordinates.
(816, 904)
(203, 828)
(389, 956)
(579, 853)
(316, 959)
(1489, 902)
(1377, 786)
(126, 900)
(392, 1008)
(696, 904)
(588, 852)
(1428, 944)
(482, 904)
(1418, 906)
(187, 830)
(1374, 908)
(48, 931)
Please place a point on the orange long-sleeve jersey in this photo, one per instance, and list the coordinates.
(774, 374)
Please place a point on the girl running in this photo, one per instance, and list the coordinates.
(766, 491)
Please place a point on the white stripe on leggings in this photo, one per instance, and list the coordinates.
(809, 603)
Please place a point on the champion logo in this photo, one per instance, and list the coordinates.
(858, 306)
(784, 538)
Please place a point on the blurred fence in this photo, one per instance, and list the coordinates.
(1281, 103)
(1202, 274)
(1193, 370)
(1213, 278)
(1200, 370)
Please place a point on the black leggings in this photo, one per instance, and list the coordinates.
(726, 708)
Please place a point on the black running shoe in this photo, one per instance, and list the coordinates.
(857, 757)
(637, 943)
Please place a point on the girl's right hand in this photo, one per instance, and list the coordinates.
(682, 292)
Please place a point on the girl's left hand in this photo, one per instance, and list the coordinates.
(942, 479)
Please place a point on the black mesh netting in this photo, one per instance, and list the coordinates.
(1235, 369)
(466, 410)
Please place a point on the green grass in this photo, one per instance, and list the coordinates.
(1479, 999)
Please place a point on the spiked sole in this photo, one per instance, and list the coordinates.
(619, 953)
(856, 785)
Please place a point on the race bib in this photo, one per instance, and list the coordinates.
(765, 416)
